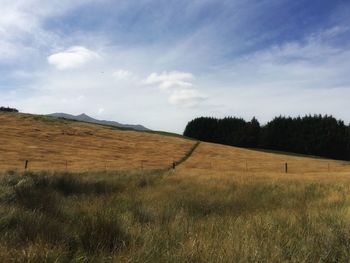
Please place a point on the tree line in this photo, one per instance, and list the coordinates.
(8, 109)
(320, 135)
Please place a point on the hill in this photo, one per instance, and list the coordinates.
(60, 144)
(56, 144)
(85, 118)
(215, 160)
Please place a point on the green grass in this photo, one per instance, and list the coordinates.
(165, 217)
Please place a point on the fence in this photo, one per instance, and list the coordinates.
(243, 166)
(83, 166)
(283, 167)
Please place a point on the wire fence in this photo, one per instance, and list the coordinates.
(244, 166)
(84, 165)
(286, 167)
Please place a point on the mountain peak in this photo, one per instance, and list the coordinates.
(84, 117)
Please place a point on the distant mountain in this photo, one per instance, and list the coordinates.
(85, 118)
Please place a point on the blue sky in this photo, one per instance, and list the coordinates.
(162, 63)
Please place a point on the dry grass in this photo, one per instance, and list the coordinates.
(122, 217)
(51, 144)
(220, 160)
(213, 208)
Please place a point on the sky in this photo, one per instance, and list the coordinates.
(161, 63)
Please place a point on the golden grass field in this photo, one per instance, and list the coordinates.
(56, 145)
(218, 160)
(62, 145)
(223, 204)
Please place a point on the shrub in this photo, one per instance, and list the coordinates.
(8, 109)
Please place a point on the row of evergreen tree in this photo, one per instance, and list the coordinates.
(8, 109)
(313, 135)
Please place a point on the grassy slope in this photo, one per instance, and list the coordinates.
(50, 143)
(223, 204)
(217, 160)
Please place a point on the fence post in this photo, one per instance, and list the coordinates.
(142, 167)
(286, 168)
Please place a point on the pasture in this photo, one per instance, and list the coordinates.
(60, 145)
(223, 204)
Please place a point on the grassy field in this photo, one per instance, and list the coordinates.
(60, 145)
(123, 217)
(220, 160)
(223, 204)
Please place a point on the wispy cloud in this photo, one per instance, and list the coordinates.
(169, 80)
(179, 86)
(186, 97)
(122, 74)
(293, 78)
(309, 63)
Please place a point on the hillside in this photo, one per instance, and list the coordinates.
(54, 144)
(219, 160)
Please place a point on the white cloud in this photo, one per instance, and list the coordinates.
(122, 74)
(173, 79)
(73, 57)
(186, 97)
(179, 87)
